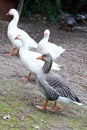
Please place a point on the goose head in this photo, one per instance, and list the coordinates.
(25, 41)
(12, 12)
(22, 39)
(48, 62)
(46, 33)
(45, 57)
(18, 37)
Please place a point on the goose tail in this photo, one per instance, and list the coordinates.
(55, 66)
(78, 102)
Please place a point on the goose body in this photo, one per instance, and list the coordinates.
(28, 57)
(44, 46)
(53, 87)
(13, 31)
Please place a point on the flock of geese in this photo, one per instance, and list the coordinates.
(40, 62)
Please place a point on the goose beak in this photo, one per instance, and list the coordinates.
(46, 34)
(39, 58)
(16, 37)
(7, 13)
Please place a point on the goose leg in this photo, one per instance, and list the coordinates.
(43, 107)
(12, 52)
(27, 78)
(17, 53)
(54, 107)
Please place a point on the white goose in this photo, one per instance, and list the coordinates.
(13, 31)
(28, 58)
(44, 46)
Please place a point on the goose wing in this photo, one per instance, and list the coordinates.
(45, 88)
(60, 87)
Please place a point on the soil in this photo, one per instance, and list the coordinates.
(73, 61)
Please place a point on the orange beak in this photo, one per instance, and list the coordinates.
(8, 13)
(16, 37)
(39, 58)
(46, 34)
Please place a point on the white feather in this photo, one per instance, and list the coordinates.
(13, 31)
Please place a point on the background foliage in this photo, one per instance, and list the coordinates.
(51, 8)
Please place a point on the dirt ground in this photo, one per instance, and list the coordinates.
(73, 61)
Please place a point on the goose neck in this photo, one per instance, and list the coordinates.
(14, 21)
(47, 66)
(46, 39)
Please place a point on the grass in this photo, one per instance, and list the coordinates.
(18, 100)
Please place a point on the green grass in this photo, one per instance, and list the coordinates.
(79, 123)
(18, 100)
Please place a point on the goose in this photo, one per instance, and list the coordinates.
(52, 86)
(13, 31)
(28, 58)
(44, 46)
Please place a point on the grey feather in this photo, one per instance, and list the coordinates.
(52, 86)
(48, 91)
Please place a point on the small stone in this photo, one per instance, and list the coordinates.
(6, 117)
(36, 127)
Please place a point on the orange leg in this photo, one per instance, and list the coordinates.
(12, 52)
(44, 106)
(54, 107)
(27, 78)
